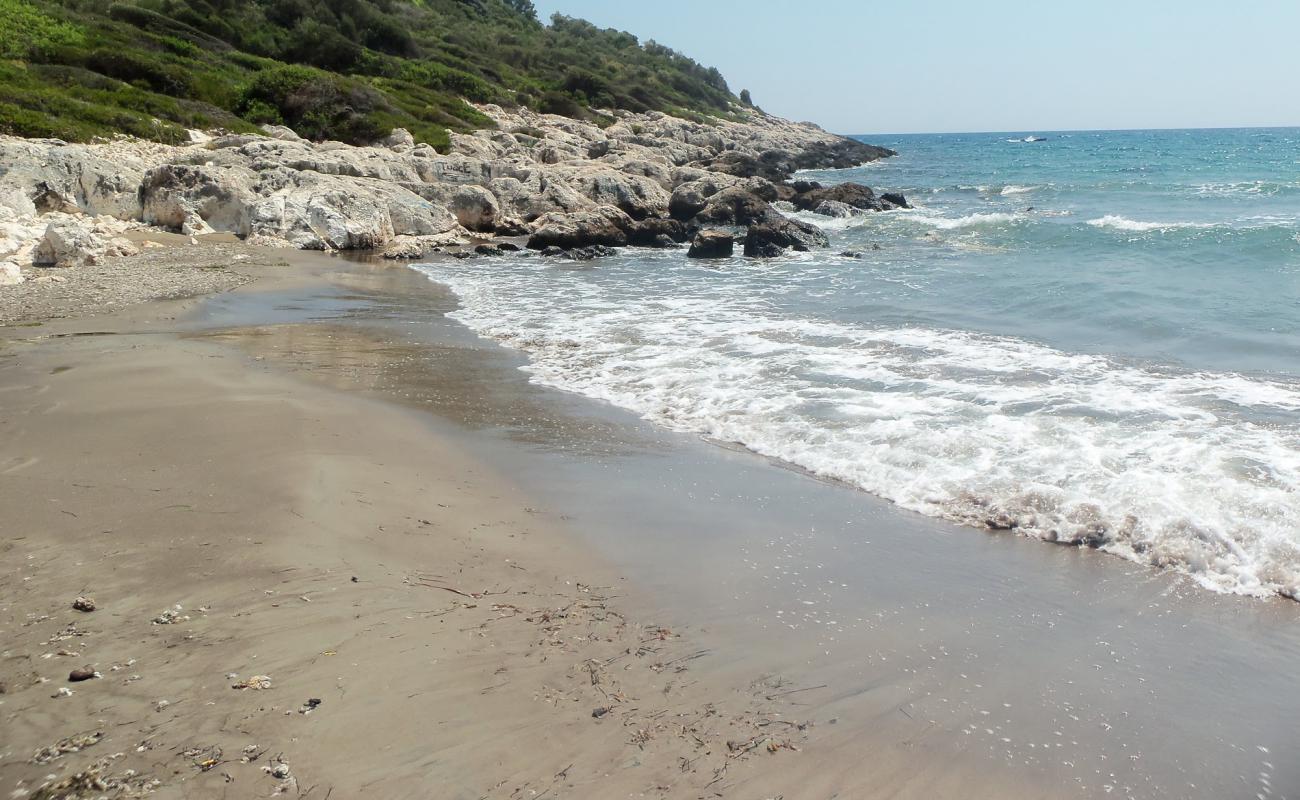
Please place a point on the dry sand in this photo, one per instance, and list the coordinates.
(233, 525)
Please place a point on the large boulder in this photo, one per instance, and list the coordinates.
(712, 244)
(198, 199)
(74, 243)
(656, 232)
(636, 195)
(606, 226)
(400, 141)
(776, 233)
(851, 194)
(475, 208)
(734, 206)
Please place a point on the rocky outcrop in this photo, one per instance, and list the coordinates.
(647, 180)
(712, 244)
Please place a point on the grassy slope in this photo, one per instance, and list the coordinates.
(340, 69)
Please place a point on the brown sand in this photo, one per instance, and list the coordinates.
(231, 523)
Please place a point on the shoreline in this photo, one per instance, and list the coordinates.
(394, 401)
(300, 546)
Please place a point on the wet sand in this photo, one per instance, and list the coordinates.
(915, 658)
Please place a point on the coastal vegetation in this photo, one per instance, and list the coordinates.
(340, 69)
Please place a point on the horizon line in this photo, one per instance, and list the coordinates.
(1031, 131)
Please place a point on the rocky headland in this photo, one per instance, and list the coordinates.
(557, 185)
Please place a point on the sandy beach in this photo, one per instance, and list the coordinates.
(338, 546)
(239, 528)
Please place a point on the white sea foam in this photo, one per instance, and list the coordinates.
(1186, 470)
(970, 220)
(1124, 224)
(1013, 189)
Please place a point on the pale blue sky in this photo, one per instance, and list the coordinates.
(857, 66)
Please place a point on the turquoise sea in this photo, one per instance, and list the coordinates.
(1093, 338)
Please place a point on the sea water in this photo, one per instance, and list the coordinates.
(1092, 339)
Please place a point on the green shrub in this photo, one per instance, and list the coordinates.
(29, 33)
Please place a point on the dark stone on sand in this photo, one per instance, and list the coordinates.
(712, 244)
(83, 674)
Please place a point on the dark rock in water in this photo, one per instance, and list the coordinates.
(646, 232)
(487, 250)
(785, 191)
(895, 200)
(552, 250)
(758, 247)
(851, 194)
(508, 247)
(588, 253)
(711, 244)
(851, 254)
(663, 242)
(733, 206)
(462, 254)
(776, 233)
(801, 187)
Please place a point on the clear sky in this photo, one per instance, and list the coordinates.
(865, 66)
